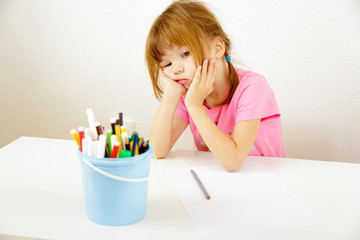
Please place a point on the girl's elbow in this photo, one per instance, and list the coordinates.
(231, 168)
(159, 151)
(160, 154)
(234, 164)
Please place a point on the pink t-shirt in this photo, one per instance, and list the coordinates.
(253, 99)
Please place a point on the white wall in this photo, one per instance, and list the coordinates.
(59, 57)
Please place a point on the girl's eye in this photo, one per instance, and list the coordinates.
(187, 53)
(167, 65)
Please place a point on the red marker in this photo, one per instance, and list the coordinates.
(81, 136)
(115, 149)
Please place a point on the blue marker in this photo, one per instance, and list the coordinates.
(134, 145)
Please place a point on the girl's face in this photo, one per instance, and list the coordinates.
(178, 65)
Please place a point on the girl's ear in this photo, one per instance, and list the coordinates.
(219, 47)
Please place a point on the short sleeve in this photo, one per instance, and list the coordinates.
(255, 99)
(181, 110)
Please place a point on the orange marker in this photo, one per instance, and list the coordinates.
(81, 136)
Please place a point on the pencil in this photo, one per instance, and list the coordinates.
(200, 184)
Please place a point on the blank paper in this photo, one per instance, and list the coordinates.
(251, 199)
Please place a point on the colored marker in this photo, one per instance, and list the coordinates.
(115, 149)
(141, 141)
(99, 129)
(81, 136)
(112, 123)
(132, 135)
(127, 144)
(125, 153)
(109, 133)
(144, 147)
(134, 146)
(118, 134)
(76, 137)
(124, 136)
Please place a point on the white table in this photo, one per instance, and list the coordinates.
(41, 196)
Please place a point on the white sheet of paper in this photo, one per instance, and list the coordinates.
(251, 199)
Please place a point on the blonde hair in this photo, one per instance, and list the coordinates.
(185, 23)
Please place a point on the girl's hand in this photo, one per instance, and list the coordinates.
(170, 86)
(202, 84)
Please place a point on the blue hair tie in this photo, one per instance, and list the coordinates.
(227, 58)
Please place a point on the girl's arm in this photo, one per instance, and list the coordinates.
(230, 152)
(167, 127)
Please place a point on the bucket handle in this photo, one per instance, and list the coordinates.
(123, 179)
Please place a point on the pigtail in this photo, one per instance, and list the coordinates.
(233, 83)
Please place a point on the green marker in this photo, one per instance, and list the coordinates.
(109, 133)
(132, 136)
(125, 154)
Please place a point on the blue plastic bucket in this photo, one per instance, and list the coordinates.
(115, 189)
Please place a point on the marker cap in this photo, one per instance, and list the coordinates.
(125, 153)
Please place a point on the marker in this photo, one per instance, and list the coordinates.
(109, 134)
(90, 148)
(85, 143)
(115, 149)
(125, 153)
(87, 132)
(127, 144)
(121, 119)
(144, 147)
(75, 135)
(81, 136)
(141, 141)
(95, 147)
(112, 123)
(134, 146)
(132, 136)
(124, 136)
(99, 129)
(101, 146)
(113, 139)
(118, 135)
(91, 119)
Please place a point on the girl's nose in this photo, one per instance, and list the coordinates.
(178, 69)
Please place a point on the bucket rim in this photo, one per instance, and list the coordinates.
(116, 161)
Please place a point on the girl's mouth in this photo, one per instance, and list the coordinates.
(182, 81)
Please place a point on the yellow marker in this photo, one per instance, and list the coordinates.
(118, 135)
(124, 136)
(76, 137)
(136, 148)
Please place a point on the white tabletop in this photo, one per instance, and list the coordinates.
(42, 197)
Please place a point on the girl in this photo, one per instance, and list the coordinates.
(232, 112)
